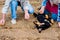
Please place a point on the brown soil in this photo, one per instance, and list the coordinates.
(24, 30)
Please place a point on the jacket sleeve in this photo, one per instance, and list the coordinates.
(6, 6)
(44, 2)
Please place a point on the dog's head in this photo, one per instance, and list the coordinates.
(48, 17)
(42, 17)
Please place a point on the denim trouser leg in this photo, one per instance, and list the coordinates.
(53, 15)
(58, 18)
(30, 9)
(13, 9)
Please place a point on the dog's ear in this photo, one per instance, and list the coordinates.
(46, 16)
(39, 8)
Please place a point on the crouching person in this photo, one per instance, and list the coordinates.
(53, 7)
(5, 10)
(25, 6)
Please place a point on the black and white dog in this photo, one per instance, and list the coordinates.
(43, 22)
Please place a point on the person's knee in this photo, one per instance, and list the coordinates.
(54, 17)
(31, 11)
(14, 2)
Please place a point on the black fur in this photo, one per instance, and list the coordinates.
(41, 19)
(19, 3)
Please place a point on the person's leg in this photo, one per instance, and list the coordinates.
(58, 18)
(46, 11)
(4, 11)
(28, 10)
(13, 6)
(54, 16)
(13, 9)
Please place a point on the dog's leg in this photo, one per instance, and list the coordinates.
(40, 29)
(52, 21)
(46, 16)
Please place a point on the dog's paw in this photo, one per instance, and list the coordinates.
(37, 23)
(52, 21)
(39, 30)
(34, 22)
(46, 16)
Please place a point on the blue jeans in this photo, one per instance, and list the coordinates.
(30, 9)
(14, 5)
(53, 15)
(58, 18)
